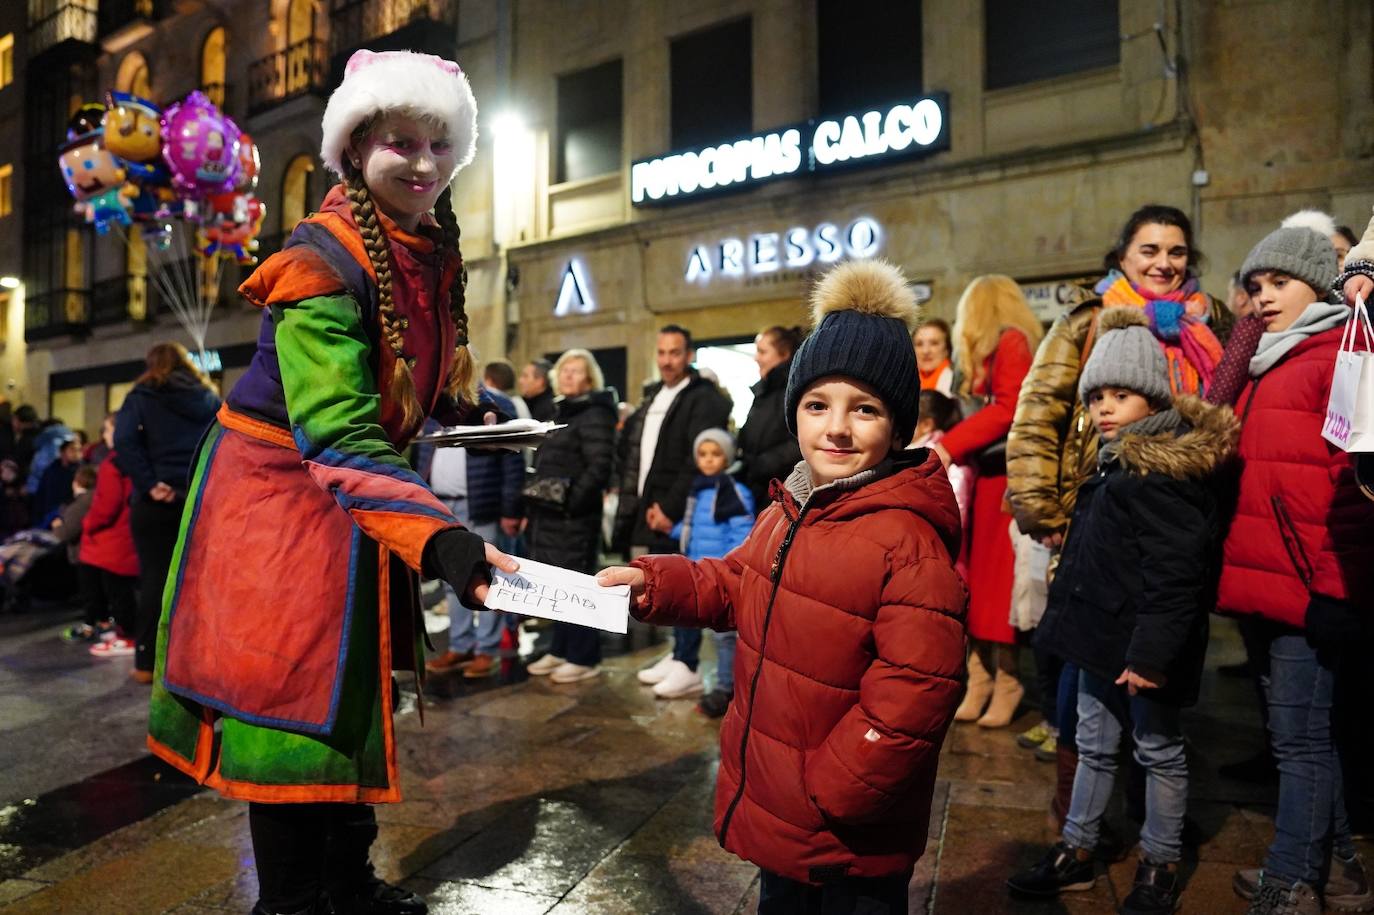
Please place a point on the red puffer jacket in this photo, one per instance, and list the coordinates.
(107, 541)
(849, 667)
(1301, 526)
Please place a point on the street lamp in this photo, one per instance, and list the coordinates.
(9, 282)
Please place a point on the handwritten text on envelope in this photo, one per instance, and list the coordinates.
(538, 589)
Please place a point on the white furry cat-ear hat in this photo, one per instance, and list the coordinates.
(419, 84)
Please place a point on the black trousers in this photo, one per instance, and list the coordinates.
(846, 896)
(155, 526)
(105, 595)
(305, 850)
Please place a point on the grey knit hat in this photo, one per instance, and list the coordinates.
(1297, 251)
(864, 313)
(1126, 355)
(724, 439)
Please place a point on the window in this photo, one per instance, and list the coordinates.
(133, 76)
(6, 190)
(712, 85)
(212, 65)
(868, 54)
(6, 60)
(589, 122)
(1025, 42)
(295, 192)
(115, 394)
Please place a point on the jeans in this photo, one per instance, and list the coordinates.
(1104, 712)
(1299, 684)
(846, 896)
(725, 660)
(465, 632)
(687, 646)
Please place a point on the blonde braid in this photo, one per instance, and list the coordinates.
(464, 373)
(378, 251)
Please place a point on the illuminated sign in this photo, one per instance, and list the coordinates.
(574, 294)
(817, 145)
(795, 249)
(210, 364)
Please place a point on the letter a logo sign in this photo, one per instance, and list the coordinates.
(574, 295)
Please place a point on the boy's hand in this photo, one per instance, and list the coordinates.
(1137, 678)
(624, 575)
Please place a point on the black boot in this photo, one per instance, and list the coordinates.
(320, 906)
(1155, 891)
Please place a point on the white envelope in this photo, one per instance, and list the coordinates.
(538, 589)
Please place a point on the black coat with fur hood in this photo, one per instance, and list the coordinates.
(1138, 573)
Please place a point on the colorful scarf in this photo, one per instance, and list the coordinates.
(930, 381)
(1179, 321)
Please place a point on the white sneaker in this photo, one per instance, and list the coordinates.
(655, 672)
(545, 665)
(568, 672)
(680, 682)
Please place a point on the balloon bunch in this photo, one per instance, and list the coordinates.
(184, 177)
(128, 162)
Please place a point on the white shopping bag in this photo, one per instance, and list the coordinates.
(1349, 421)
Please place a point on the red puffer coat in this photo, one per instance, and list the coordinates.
(107, 541)
(1301, 526)
(849, 667)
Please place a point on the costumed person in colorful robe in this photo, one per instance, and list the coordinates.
(292, 592)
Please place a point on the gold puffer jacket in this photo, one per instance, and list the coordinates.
(1052, 446)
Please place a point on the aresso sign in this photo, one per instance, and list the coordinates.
(797, 248)
(817, 145)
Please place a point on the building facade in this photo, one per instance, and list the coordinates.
(643, 163)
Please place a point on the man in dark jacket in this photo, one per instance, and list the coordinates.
(482, 489)
(655, 450)
(535, 390)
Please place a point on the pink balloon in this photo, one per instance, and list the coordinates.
(201, 147)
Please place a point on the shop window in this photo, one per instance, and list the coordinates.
(733, 362)
(867, 54)
(133, 76)
(295, 192)
(1024, 42)
(589, 122)
(6, 190)
(115, 394)
(69, 406)
(712, 85)
(6, 60)
(212, 65)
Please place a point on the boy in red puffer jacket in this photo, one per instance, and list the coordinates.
(1298, 565)
(850, 614)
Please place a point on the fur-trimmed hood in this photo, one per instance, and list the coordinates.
(1208, 441)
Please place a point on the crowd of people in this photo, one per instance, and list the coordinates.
(906, 507)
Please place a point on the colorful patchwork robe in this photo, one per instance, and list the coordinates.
(291, 596)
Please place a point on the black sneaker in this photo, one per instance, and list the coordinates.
(1155, 891)
(1062, 870)
(715, 703)
(377, 897)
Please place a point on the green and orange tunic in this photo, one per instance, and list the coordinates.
(292, 591)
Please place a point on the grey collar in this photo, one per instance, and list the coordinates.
(800, 484)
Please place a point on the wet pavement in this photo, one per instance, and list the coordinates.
(535, 798)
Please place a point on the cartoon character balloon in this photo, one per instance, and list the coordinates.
(87, 119)
(200, 146)
(249, 164)
(235, 233)
(133, 132)
(96, 178)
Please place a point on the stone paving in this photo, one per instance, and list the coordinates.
(533, 798)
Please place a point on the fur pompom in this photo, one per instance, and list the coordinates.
(872, 287)
(1315, 220)
(1117, 318)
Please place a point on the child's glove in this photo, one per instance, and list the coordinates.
(1332, 624)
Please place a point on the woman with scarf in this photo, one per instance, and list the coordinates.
(1052, 447)
(933, 343)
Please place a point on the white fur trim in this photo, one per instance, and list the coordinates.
(1315, 220)
(400, 80)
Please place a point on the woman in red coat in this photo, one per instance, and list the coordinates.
(109, 563)
(995, 334)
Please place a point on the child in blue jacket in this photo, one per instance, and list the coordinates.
(719, 516)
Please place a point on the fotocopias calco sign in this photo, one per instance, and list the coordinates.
(821, 144)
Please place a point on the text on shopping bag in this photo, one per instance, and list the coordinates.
(548, 592)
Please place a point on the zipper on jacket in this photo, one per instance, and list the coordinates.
(1288, 533)
(775, 573)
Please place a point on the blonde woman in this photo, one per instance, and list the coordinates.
(572, 469)
(995, 334)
